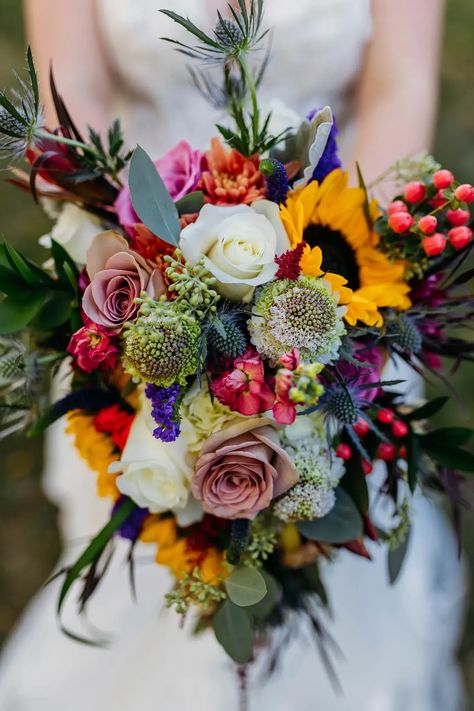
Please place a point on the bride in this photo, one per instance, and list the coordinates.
(376, 66)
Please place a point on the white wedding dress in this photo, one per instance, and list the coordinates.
(397, 642)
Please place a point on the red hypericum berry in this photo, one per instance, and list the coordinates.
(367, 467)
(361, 427)
(399, 428)
(414, 191)
(458, 217)
(385, 416)
(403, 452)
(427, 224)
(442, 179)
(464, 193)
(434, 245)
(438, 200)
(386, 451)
(400, 222)
(397, 206)
(344, 451)
(460, 236)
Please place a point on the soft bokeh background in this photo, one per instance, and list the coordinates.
(29, 543)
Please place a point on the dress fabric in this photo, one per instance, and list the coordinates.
(397, 643)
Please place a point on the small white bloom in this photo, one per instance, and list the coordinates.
(75, 230)
(203, 416)
(156, 475)
(239, 244)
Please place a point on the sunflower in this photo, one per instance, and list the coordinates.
(329, 216)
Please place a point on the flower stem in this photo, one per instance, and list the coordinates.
(66, 141)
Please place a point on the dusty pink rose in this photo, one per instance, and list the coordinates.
(244, 389)
(93, 346)
(180, 170)
(118, 276)
(241, 469)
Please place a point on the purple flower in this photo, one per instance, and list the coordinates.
(370, 371)
(132, 526)
(330, 160)
(165, 411)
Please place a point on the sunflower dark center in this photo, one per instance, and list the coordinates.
(338, 255)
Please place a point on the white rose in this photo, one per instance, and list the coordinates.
(75, 230)
(239, 243)
(156, 475)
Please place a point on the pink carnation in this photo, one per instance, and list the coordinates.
(244, 389)
(93, 346)
(180, 170)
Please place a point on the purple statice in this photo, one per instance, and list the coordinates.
(330, 160)
(276, 179)
(132, 526)
(165, 411)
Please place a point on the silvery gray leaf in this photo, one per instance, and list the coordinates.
(312, 140)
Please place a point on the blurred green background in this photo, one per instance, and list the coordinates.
(29, 544)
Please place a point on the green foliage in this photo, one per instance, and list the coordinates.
(111, 158)
(343, 523)
(245, 586)
(151, 200)
(233, 630)
(193, 590)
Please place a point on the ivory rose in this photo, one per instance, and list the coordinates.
(117, 277)
(75, 230)
(239, 243)
(241, 469)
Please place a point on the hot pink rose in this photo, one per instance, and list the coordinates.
(180, 170)
(93, 346)
(118, 276)
(241, 469)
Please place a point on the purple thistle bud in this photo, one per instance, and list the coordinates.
(276, 179)
(165, 411)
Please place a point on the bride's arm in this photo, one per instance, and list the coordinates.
(66, 35)
(398, 86)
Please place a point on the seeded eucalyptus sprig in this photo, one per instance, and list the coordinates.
(229, 48)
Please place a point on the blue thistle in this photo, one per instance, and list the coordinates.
(276, 179)
(165, 411)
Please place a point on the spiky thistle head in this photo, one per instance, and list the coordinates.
(162, 346)
(404, 332)
(22, 116)
(226, 334)
(340, 403)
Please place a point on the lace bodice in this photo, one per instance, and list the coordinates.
(320, 42)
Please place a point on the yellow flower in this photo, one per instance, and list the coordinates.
(330, 218)
(97, 450)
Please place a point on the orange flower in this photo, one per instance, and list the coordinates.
(230, 177)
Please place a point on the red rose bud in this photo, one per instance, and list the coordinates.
(344, 451)
(399, 428)
(400, 222)
(403, 452)
(387, 452)
(442, 179)
(386, 416)
(458, 217)
(427, 224)
(361, 427)
(434, 245)
(460, 236)
(397, 206)
(414, 191)
(367, 467)
(464, 193)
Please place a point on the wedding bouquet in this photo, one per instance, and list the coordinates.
(224, 320)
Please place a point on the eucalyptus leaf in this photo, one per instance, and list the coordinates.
(233, 631)
(262, 609)
(343, 523)
(192, 202)
(396, 559)
(151, 199)
(246, 586)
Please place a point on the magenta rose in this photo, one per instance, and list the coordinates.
(117, 277)
(180, 170)
(241, 469)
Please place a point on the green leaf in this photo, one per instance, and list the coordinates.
(18, 311)
(55, 311)
(245, 586)
(10, 281)
(427, 410)
(151, 199)
(233, 631)
(451, 436)
(413, 459)
(355, 483)
(396, 559)
(66, 268)
(343, 523)
(95, 547)
(451, 457)
(192, 202)
(262, 609)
